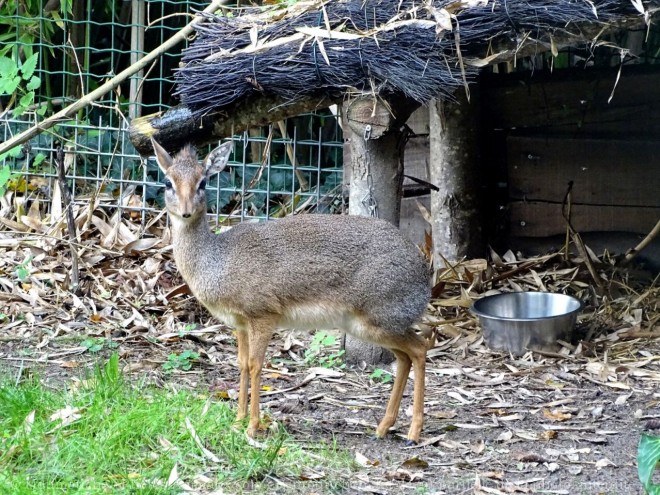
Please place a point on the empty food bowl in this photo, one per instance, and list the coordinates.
(520, 321)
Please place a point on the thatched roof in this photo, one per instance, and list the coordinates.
(420, 49)
(256, 66)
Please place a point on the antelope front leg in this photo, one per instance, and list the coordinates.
(259, 335)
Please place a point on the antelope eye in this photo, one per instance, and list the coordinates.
(202, 185)
(168, 183)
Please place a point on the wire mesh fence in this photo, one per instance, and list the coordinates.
(268, 176)
(75, 47)
(81, 43)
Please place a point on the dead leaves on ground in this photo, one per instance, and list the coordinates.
(483, 409)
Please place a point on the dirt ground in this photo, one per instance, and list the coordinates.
(565, 422)
(494, 424)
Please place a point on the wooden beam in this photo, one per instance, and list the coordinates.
(534, 219)
(176, 127)
(603, 171)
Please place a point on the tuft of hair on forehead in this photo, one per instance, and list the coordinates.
(187, 153)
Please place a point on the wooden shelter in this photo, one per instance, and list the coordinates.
(382, 59)
(243, 70)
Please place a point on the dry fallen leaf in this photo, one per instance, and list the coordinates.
(505, 436)
(478, 446)
(308, 474)
(531, 457)
(70, 364)
(66, 416)
(404, 475)
(548, 435)
(556, 415)
(602, 463)
(415, 463)
(174, 475)
(364, 461)
(28, 422)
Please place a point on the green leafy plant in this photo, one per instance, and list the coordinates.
(648, 455)
(318, 348)
(5, 175)
(188, 327)
(183, 361)
(23, 269)
(107, 379)
(18, 80)
(98, 344)
(21, 24)
(381, 376)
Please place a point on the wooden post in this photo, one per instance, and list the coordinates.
(376, 166)
(376, 137)
(454, 157)
(137, 51)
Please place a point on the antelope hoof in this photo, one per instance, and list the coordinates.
(239, 421)
(411, 443)
(256, 430)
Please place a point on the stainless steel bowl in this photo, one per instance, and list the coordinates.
(521, 321)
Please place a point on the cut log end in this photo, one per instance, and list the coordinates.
(141, 131)
(369, 117)
(172, 129)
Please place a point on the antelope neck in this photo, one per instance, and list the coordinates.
(191, 241)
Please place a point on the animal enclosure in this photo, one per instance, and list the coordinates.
(293, 165)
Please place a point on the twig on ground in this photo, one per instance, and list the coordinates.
(577, 239)
(307, 380)
(630, 255)
(71, 224)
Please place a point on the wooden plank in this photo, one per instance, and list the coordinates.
(604, 172)
(534, 219)
(413, 224)
(576, 101)
(419, 121)
(416, 158)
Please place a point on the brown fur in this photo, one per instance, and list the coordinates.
(315, 271)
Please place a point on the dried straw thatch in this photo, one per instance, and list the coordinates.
(420, 49)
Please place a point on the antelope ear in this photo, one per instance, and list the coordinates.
(163, 158)
(217, 159)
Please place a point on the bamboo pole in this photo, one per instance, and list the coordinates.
(69, 111)
(137, 48)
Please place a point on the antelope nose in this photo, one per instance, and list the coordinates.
(186, 215)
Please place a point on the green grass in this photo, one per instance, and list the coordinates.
(129, 439)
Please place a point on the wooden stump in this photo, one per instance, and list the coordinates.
(376, 136)
(454, 147)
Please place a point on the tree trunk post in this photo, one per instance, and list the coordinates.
(376, 135)
(454, 159)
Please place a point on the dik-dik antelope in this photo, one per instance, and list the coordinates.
(306, 271)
